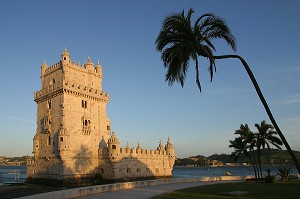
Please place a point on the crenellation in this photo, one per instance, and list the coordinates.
(73, 136)
(74, 88)
(126, 152)
(53, 67)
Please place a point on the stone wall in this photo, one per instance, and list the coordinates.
(83, 191)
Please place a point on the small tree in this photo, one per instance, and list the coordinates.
(266, 136)
(244, 145)
(250, 144)
(284, 173)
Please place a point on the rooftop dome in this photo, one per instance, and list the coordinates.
(169, 144)
(89, 65)
(65, 52)
(113, 138)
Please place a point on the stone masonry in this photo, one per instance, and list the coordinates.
(73, 138)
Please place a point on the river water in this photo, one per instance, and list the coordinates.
(197, 172)
(17, 174)
(12, 174)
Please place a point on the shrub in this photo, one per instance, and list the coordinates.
(284, 173)
(28, 180)
(269, 178)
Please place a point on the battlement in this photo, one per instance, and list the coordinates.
(66, 62)
(72, 87)
(53, 67)
(114, 152)
(127, 152)
(49, 89)
(84, 67)
(85, 90)
(30, 161)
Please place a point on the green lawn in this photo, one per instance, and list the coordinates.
(277, 190)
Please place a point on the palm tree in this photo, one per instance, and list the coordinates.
(246, 142)
(180, 41)
(266, 136)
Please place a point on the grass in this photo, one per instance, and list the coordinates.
(277, 190)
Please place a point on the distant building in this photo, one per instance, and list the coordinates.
(73, 138)
(7, 163)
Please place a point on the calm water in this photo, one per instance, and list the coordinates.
(197, 172)
(14, 174)
(18, 173)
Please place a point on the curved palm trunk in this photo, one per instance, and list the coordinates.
(259, 93)
(253, 165)
(259, 164)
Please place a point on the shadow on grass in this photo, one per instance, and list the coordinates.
(278, 190)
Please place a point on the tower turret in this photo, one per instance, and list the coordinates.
(65, 58)
(170, 148)
(90, 66)
(113, 148)
(160, 146)
(43, 70)
(99, 69)
(102, 151)
(36, 146)
(170, 152)
(63, 142)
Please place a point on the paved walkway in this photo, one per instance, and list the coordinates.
(147, 192)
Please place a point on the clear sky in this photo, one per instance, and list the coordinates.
(143, 108)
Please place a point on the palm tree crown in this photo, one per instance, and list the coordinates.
(180, 41)
(267, 136)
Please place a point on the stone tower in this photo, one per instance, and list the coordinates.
(71, 117)
(73, 139)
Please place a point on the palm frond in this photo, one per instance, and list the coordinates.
(180, 41)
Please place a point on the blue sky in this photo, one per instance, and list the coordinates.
(143, 108)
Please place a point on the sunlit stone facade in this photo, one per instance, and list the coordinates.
(73, 138)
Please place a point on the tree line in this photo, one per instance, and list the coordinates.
(268, 157)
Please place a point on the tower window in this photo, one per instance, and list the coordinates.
(65, 58)
(47, 121)
(83, 104)
(113, 146)
(49, 140)
(86, 122)
(49, 104)
(61, 139)
(108, 128)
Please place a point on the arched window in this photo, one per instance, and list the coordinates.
(49, 104)
(49, 140)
